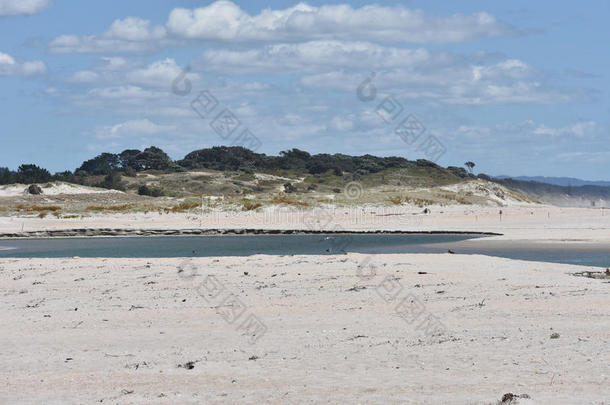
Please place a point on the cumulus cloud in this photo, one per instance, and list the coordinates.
(157, 74)
(577, 130)
(342, 124)
(315, 55)
(530, 130)
(455, 81)
(131, 128)
(225, 21)
(85, 76)
(15, 7)
(132, 34)
(11, 67)
(116, 71)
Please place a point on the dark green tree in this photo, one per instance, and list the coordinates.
(32, 174)
(470, 166)
(101, 164)
(152, 158)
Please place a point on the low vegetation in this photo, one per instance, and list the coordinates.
(285, 200)
(251, 205)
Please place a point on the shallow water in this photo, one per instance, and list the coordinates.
(226, 245)
(246, 245)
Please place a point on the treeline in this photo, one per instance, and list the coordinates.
(223, 158)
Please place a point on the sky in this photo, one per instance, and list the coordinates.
(519, 87)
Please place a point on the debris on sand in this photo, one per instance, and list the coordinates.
(555, 335)
(357, 288)
(599, 275)
(357, 337)
(510, 398)
(189, 365)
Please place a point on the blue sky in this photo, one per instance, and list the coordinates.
(518, 87)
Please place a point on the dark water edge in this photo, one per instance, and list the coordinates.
(282, 244)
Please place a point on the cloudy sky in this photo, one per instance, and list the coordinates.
(518, 87)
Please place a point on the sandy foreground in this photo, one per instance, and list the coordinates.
(302, 329)
(404, 328)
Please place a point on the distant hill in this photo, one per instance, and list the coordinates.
(558, 181)
(567, 196)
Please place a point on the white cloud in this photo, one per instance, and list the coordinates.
(224, 20)
(134, 29)
(131, 34)
(119, 72)
(454, 80)
(113, 63)
(131, 128)
(11, 67)
(342, 124)
(158, 74)
(14, 7)
(529, 130)
(126, 93)
(578, 130)
(85, 76)
(315, 55)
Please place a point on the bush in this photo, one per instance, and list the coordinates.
(112, 182)
(249, 205)
(289, 188)
(34, 189)
(130, 171)
(151, 191)
(287, 201)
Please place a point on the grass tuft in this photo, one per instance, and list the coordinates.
(284, 200)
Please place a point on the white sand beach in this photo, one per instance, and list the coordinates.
(333, 329)
(135, 331)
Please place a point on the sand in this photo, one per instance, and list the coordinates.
(53, 189)
(332, 330)
(311, 329)
(517, 222)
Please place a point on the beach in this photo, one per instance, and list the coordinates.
(141, 331)
(384, 328)
(517, 222)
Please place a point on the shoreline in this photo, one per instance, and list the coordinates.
(126, 232)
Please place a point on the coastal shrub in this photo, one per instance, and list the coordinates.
(396, 200)
(289, 188)
(184, 206)
(34, 189)
(420, 202)
(112, 182)
(114, 208)
(287, 201)
(41, 208)
(151, 191)
(251, 205)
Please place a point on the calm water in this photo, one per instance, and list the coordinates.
(245, 245)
